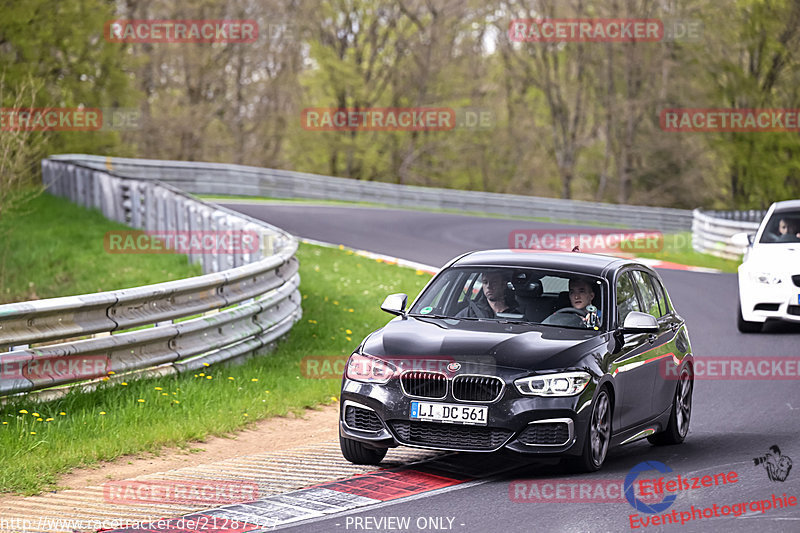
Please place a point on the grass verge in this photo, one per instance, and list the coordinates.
(342, 293)
(678, 249)
(53, 248)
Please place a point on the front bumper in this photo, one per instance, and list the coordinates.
(761, 302)
(558, 425)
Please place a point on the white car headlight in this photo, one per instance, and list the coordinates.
(563, 384)
(768, 278)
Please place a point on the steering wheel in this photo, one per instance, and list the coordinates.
(572, 311)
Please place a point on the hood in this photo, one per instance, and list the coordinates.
(784, 255)
(525, 347)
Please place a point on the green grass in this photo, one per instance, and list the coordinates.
(55, 248)
(678, 249)
(342, 293)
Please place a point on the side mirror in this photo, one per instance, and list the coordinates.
(742, 240)
(395, 304)
(637, 322)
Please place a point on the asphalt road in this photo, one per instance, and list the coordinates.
(733, 421)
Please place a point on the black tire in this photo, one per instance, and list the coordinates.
(681, 413)
(745, 326)
(598, 436)
(361, 454)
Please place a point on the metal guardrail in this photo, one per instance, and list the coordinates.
(225, 179)
(712, 231)
(248, 300)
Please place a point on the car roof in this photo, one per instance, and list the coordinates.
(592, 264)
(787, 205)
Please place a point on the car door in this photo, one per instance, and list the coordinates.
(633, 377)
(674, 342)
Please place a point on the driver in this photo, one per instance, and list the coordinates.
(494, 286)
(581, 293)
(788, 230)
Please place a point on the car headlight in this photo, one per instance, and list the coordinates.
(768, 278)
(369, 369)
(563, 384)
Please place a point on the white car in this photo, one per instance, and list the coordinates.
(769, 276)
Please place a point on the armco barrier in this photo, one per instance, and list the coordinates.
(253, 298)
(712, 231)
(218, 178)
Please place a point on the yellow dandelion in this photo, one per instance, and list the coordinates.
(305, 296)
(348, 338)
(102, 412)
(35, 414)
(254, 379)
(246, 414)
(334, 398)
(351, 310)
(420, 272)
(48, 419)
(341, 246)
(62, 413)
(348, 332)
(230, 377)
(23, 411)
(266, 391)
(205, 364)
(5, 423)
(164, 394)
(209, 377)
(105, 378)
(111, 372)
(140, 400)
(201, 374)
(33, 433)
(335, 302)
(38, 419)
(177, 401)
(158, 388)
(124, 384)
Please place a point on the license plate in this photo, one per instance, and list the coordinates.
(450, 414)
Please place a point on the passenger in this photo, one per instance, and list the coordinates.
(581, 310)
(494, 289)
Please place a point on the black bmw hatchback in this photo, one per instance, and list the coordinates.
(552, 354)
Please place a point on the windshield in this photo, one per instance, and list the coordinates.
(516, 295)
(783, 226)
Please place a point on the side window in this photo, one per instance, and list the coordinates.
(649, 298)
(472, 287)
(626, 297)
(661, 294)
